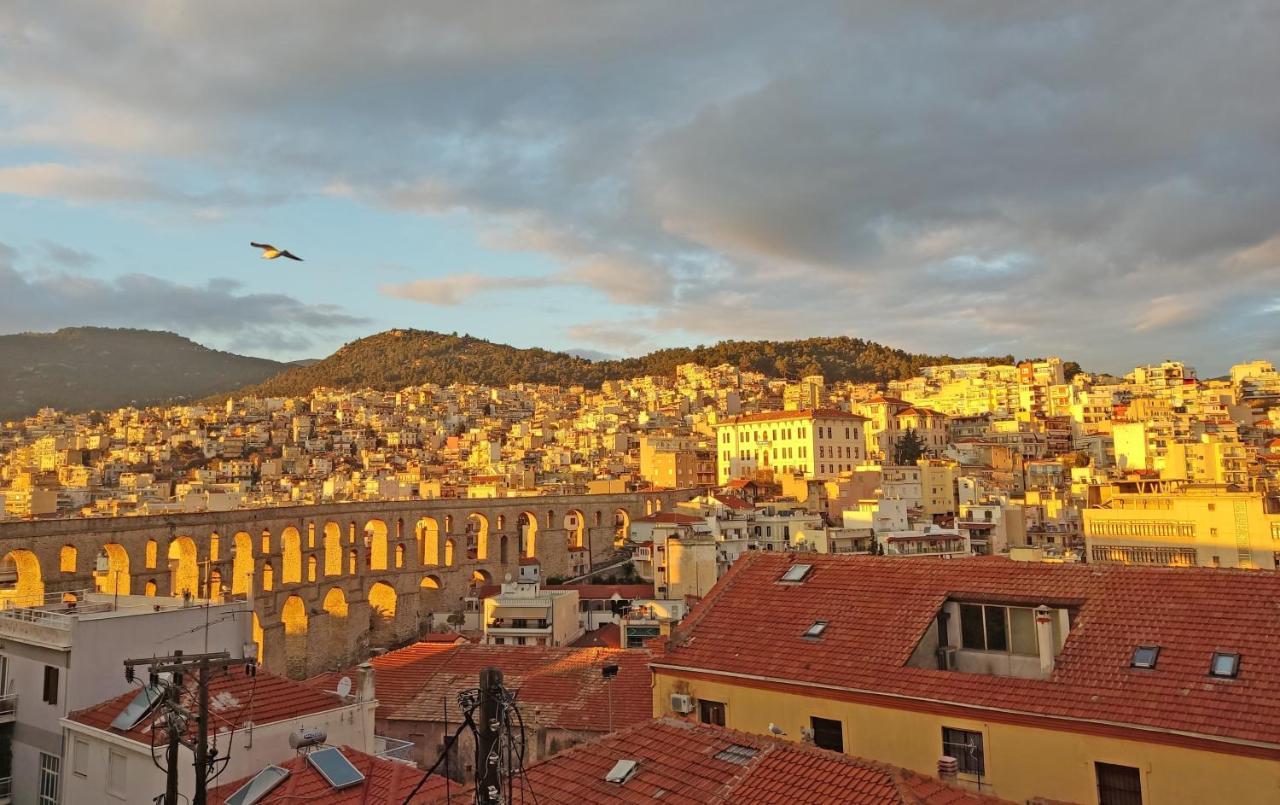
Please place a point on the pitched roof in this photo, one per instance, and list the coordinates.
(879, 608)
(678, 764)
(732, 502)
(557, 686)
(234, 697)
(385, 781)
(607, 636)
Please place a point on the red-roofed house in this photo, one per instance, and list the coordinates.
(1057, 681)
(564, 697)
(386, 782)
(253, 717)
(680, 763)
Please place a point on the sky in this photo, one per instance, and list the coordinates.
(1095, 180)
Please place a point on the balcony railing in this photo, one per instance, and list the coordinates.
(6, 789)
(393, 748)
(8, 708)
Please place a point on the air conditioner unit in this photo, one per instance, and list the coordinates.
(947, 658)
(681, 703)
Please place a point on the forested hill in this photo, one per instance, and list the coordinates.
(399, 358)
(84, 368)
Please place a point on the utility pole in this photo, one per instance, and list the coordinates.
(177, 716)
(488, 779)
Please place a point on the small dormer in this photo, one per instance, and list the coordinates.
(999, 638)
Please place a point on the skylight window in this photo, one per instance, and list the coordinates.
(796, 572)
(258, 788)
(138, 709)
(816, 629)
(737, 754)
(1225, 664)
(335, 768)
(1145, 656)
(622, 771)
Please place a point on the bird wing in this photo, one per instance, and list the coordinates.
(262, 245)
(286, 253)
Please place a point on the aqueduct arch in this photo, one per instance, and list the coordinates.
(312, 577)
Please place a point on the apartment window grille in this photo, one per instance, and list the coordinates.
(50, 769)
(710, 712)
(966, 747)
(1118, 785)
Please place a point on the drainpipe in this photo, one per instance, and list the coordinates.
(1044, 637)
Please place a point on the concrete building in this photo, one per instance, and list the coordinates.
(526, 614)
(66, 653)
(818, 443)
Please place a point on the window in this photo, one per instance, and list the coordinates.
(1224, 664)
(50, 685)
(1145, 656)
(80, 758)
(816, 629)
(966, 747)
(50, 766)
(796, 572)
(985, 627)
(117, 764)
(827, 733)
(1118, 785)
(710, 712)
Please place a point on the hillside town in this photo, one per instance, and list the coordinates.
(789, 605)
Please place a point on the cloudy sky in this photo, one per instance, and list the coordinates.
(1095, 180)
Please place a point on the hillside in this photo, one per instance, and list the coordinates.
(399, 358)
(85, 368)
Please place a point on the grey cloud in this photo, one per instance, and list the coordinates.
(728, 169)
(220, 309)
(456, 289)
(68, 257)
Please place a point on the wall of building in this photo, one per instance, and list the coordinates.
(1022, 761)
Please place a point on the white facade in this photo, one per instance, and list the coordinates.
(57, 658)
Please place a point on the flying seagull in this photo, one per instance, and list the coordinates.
(270, 252)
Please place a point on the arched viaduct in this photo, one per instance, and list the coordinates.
(326, 581)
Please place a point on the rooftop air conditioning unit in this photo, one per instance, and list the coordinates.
(681, 703)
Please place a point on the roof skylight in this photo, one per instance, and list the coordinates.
(622, 771)
(1225, 664)
(257, 788)
(796, 572)
(737, 753)
(334, 767)
(1145, 656)
(816, 629)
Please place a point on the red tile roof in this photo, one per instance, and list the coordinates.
(234, 697)
(670, 517)
(878, 609)
(678, 765)
(809, 413)
(607, 636)
(731, 502)
(557, 686)
(385, 781)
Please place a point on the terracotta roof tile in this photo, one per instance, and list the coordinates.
(878, 608)
(386, 782)
(678, 764)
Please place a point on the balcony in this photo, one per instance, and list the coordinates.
(6, 790)
(8, 708)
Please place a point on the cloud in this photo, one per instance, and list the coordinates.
(626, 337)
(1085, 178)
(456, 289)
(220, 309)
(66, 256)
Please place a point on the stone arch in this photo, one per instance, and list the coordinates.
(28, 583)
(382, 603)
(215, 546)
(480, 576)
(335, 603)
(241, 562)
(375, 535)
(268, 575)
(216, 590)
(502, 549)
(311, 534)
(184, 567)
(648, 507)
(290, 556)
(575, 523)
(430, 583)
(657, 504)
(266, 542)
(621, 526)
(428, 531)
(448, 553)
(67, 559)
(597, 517)
(114, 577)
(551, 518)
(351, 533)
(332, 549)
(312, 564)
(399, 555)
(353, 561)
(149, 589)
(501, 522)
(151, 554)
(336, 647)
(257, 635)
(477, 537)
(294, 617)
(527, 524)
(399, 529)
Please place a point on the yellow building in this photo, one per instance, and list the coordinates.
(676, 462)
(938, 486)
(1175, 523)
(817, 443)
(1043, 681)
(1210, 461)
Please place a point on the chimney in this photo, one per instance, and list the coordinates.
(948, 767)
(1044, 636)
(364, 691)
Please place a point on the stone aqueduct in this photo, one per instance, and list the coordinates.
(326, 581)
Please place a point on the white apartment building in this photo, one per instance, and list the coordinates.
(524, 613)
(65, 655)
(817, 443)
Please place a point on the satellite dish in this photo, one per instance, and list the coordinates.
(344, 686)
